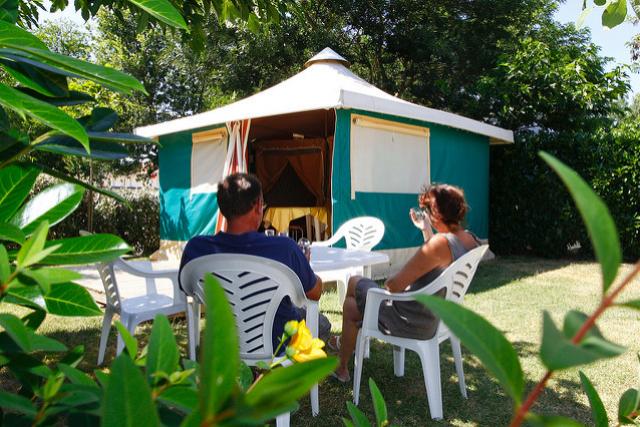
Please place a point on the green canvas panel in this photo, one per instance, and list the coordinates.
(457, 157)
(182, 216)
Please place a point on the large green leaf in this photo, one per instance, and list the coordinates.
(27, 340)
(12, 34)
(123, 138)
(379, 405)
(634, 304)
(43, 112)
(18, 332)
(26, 296)
(600, 418)
(76, 376)
(51, 275)
(628, 406)
(183, 398)
(73, 67)
(482, 339)
(130, 342)
(219, 350)
(101, 119)
(557, 352)
(11, 233)
(9, 11)
(38, 80)
(5, 267)
(127, 399)
(33, 250)
(86, 249)
(70, 299)
(15, 402)
(73, 97)
(596, 217)
(52, 204)
(61, 144)
(162, 10)
(357, 416)
(34, 319)
(15, 184)
(283, 386)
(615, 13)
(162, 354)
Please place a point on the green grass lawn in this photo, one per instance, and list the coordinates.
(511, 293)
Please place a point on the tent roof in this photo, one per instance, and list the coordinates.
(326, 83)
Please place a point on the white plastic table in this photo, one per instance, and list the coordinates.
(326, 259)
(337, 264)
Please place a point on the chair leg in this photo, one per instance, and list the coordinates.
(197, 312)
(367, 348)
(315, 400)
(430, 358)
(342, 290)
(191, 329)
(398, 361)
(357, 366)
(457, 357)
(104, 336)
(283, 420)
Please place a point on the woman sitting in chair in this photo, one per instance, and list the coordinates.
(444, 209)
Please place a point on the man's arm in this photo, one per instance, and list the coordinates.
(315, 292)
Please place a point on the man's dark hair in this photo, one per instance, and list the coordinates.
(238, 193)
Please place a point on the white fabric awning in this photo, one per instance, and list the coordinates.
(326, 83)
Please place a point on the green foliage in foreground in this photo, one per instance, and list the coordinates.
(151, 385)
(579, 342)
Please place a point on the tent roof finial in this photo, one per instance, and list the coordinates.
(327, 55)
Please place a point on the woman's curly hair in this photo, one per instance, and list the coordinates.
(446, 201)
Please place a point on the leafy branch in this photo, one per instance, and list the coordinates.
(578, 343)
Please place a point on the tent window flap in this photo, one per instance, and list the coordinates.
(388, 157)
(208, 154)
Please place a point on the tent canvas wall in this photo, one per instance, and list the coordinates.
(329, 139)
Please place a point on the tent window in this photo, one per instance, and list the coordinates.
(388, 157)
(208, 154)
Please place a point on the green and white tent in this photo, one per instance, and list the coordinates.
(325, 139)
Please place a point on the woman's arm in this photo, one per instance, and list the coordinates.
(434, 253)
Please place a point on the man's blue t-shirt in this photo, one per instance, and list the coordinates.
(281, 249)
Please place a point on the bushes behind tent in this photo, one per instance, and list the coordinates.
(137, 224)
(531, 211)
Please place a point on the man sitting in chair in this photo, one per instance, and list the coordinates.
(241, 202)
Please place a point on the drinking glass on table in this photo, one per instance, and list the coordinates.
(270, 232)
(284, 233)
(305, 246)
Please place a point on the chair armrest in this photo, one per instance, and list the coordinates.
(313, 314)
(330, 242)
(178, 294)
(144, 272)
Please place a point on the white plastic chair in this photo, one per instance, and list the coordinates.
(362, 233)
(455, 279)
(137, 309)
(254, 287)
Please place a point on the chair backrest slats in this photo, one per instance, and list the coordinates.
(110, 285)
(254, 287)
(362, 233)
